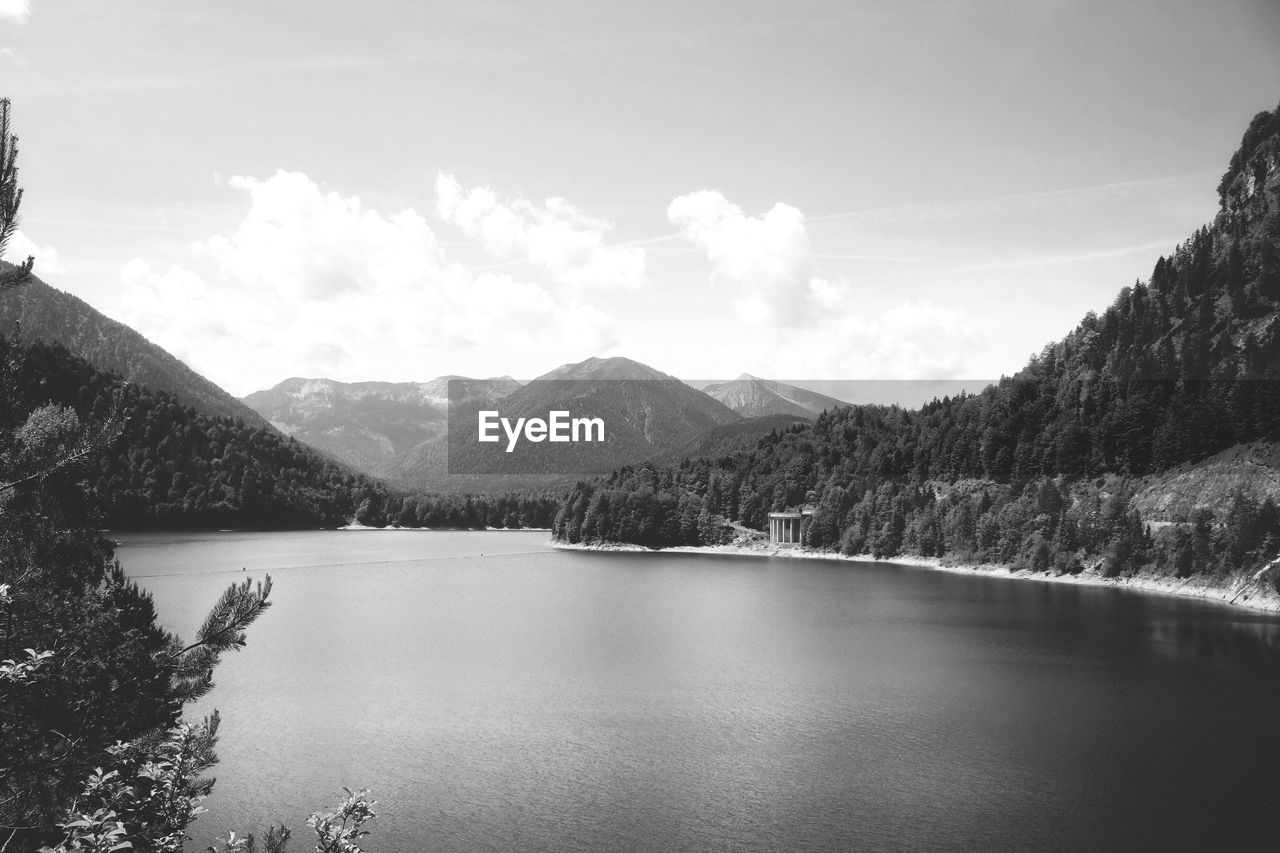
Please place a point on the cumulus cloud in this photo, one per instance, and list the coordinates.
(315, 245)
(910, 340)
(173, 308)
(766, 260)
(556, 236)
(913, 340)
(803, 323)
(21, 247)
(313, 282)
(15, 10)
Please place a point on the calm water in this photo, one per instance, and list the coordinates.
(499, 695)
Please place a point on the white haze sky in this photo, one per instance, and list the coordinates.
(830, 190)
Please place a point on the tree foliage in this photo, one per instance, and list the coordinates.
(172, 466)
(509, 511)
(10, 199)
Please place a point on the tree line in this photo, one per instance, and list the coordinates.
(511, 510)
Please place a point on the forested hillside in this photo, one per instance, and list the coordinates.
(51, 316)
(1038, 470)
(175, 467)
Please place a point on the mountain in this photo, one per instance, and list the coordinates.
(171, 465)
(615, 368)
(753, 397)
(55, 317)
(1041, 470)
(369, 425)
(646, 413)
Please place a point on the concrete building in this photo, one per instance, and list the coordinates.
(787, 528)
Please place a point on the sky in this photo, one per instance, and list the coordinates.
(818, 190)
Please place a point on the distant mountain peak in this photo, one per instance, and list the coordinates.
(615, 367)
(753, 397)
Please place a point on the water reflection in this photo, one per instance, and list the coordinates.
(1240, 644)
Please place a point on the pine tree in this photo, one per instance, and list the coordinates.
(10, 200)
(103, 686)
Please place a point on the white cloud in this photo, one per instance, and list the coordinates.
(21, 247)
(317, 283)
(803, 324)
(766, 260)
(914, 340)
(556, 237)
(173, 309)
(16, 10)
(311, 282)
(312, 245)
(911, 340)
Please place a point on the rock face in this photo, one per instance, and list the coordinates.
(1249, 188)
(1252, 470)
(753, 397)
(368, 425)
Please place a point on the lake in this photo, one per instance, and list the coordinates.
(497, 694)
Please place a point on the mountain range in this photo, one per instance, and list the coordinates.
(397, 431)
(369, 425)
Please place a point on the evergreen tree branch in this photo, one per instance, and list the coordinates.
(10, 201)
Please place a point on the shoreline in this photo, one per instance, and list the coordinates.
(355, 526)
(1245, 595)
